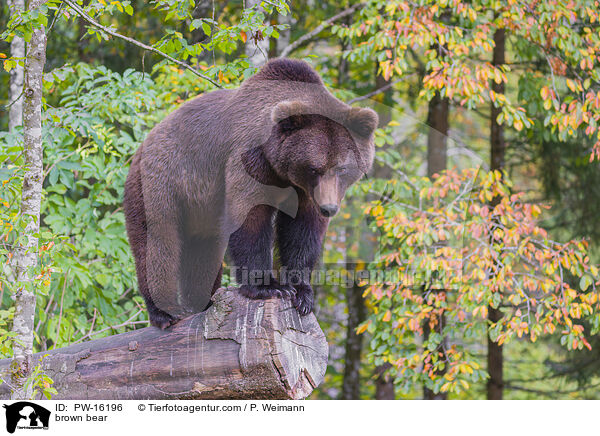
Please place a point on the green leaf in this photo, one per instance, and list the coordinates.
(585, 282)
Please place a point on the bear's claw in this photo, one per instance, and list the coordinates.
(263, 292)
(303, 300)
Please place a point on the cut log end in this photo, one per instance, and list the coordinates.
(237, 349)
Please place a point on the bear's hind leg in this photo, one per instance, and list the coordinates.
(133, 205)
(158, 318)
(163, 257)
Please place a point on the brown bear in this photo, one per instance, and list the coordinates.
(239, 170)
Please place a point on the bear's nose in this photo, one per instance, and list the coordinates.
(328, 210)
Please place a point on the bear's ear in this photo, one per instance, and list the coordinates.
(286, 109)
(290, 114)
(362, 121)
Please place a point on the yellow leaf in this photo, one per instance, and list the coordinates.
(518, 125)
(387, 316)
(243, 36)
(362, 328)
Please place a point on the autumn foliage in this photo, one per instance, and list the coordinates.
(454, 38)
(449, 255)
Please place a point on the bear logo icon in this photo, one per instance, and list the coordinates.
(26, 415)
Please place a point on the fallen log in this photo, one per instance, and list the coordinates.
(237, 349)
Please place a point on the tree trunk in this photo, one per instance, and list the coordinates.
(497, 159)
(354, 300)
(352, 361)
(17, 50)
(437, 156)
(237, 349)
(495, 361)
(285, 36)
(437, 144)
(257, 45)
(25, 257)
(498, 146)
(384, 384)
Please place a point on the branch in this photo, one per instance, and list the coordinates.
(111, 32)
(308, 36)
(112, 327)
(8, 106)
(377, 91)
(550, 393)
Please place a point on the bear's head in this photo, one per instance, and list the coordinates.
(320, 155)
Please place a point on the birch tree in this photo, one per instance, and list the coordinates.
(17, 50)
(26, 251)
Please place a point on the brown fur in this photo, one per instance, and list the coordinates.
(217, 170)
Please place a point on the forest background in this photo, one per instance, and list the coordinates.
(480, 205)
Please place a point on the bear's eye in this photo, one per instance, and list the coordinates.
(341, 170)
(314, 171)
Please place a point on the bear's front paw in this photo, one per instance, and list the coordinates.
(263, 292)
(303, 300)
(161, 319)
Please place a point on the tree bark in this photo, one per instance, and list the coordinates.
(437, 156)
(17, 50)
(497, 162)
(25, 256)
(237, 349)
